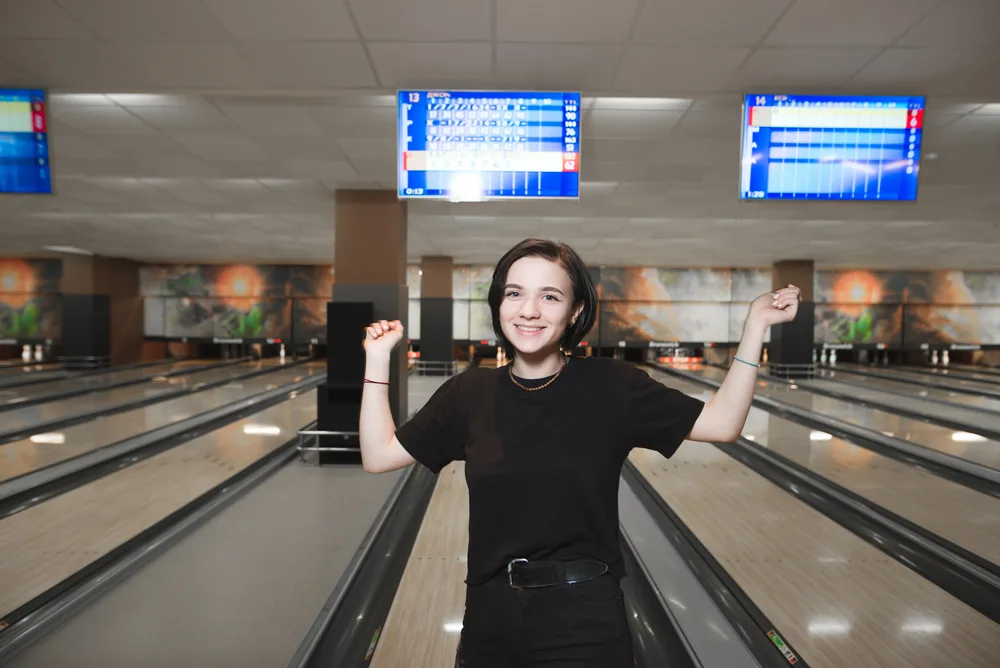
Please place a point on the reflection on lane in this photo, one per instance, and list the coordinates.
(966, 445)
(21, 418)
(863, 373)
(45, 449)
(97, 381)
(901, 387)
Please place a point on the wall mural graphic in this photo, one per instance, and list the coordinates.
(30, 306)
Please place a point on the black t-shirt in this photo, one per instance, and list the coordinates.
(543, 467)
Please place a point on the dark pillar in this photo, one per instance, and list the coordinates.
(102, 310)
(370, 261)
(790, 349)
(436, 312)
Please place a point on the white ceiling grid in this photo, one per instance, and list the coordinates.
(218, 130)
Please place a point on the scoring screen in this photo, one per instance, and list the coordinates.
(472, 145)
(24, 142)
(818, 147)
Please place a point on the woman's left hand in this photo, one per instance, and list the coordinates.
(775, 307)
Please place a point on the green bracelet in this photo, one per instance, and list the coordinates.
(756, 366)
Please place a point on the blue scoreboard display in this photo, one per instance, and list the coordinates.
(821, 147)
(471, 145)
(24, 142)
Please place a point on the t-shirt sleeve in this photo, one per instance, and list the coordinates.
(659, 417)
(435, 436)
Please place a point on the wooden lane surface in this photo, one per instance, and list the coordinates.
(837, 599)
(47, 543)
(425, 620)
(968, 518)
(21, 457)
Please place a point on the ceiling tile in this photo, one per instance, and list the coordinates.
(175, 166)
(71, 145)
(190, 64)
(369, 149)
(145, 19)
(431, 64)
(592, 21)
(301, 148)
(617, 150)
(706, 22)
(102, 121)
(959, 24)
(309, 64)
(847, 22)
(429, 21)
(311, 168)
(618, 124)
(355, 121)
(903, 69)
(39, 19)
(193, 117)
(72, 64)
(678, 70)
(803, 66)
(218, 147)
(567, 66)
(275, 120)
(287, 20)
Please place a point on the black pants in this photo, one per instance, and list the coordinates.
(580, 626)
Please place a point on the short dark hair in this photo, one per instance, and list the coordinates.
(568, 259)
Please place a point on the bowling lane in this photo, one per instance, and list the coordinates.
(960, 373)
(847, 381)
(966, 445)
(23, 418)
(16, 367)
(14, 395)
(953, 382)
(267, 563)
(47, 543)
(962, 515)
(21, 457)
(424, 622)
(837, 600)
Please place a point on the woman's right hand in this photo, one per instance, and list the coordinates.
(383, 336)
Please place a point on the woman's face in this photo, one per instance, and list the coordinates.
(537, 305)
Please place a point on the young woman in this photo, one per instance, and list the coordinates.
(544, 439)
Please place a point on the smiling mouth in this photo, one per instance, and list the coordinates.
(526, 329)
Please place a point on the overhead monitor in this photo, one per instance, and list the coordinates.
(831, 147)
(476, 145)
(24, 142)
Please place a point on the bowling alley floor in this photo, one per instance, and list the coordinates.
(242, 588)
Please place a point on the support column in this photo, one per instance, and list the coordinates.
(436, 311)
(102, 314)
(370, 261)
(792, 343)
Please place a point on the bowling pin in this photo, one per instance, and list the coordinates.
(765, 356)
(833, 358)
(281, 353)
(38, 354)
(815, 355)
(26, 354)
(944, 358)
(934, 358)
(824, 359)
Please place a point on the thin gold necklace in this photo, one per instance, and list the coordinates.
(510, 371)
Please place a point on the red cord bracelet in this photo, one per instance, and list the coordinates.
(375, 382)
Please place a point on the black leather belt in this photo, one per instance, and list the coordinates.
(524, 574)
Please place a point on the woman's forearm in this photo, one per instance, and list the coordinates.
(725, 414)
(376, 427)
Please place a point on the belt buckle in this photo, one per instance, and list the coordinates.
(510, 571)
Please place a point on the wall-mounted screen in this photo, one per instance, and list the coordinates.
(470, 146)
(831, 147)
(24, 142)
